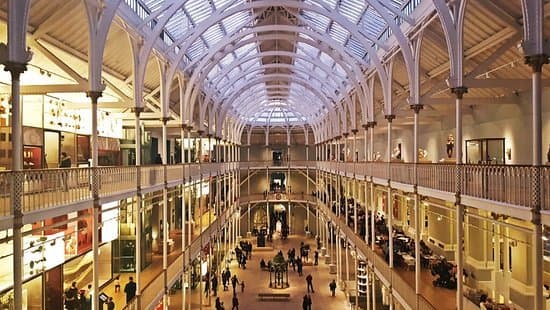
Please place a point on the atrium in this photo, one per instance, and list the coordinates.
(397, 150)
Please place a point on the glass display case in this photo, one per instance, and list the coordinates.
(485, 151)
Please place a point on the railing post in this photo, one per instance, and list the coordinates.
(459, 255)
(537, 61)
(138, 207)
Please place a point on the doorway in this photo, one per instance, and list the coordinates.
(51, 148)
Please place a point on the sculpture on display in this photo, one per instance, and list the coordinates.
(396, 152)
(450, 145)
(422, 154)
(376, 156)
(548, 154)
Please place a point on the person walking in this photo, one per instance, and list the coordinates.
(235, 302)
(234, 282)
(332, 287)
(309, 302)
(117, 284)
(207, 287)
(309, 280)
(130, 289)
(110, 304)
(242, 286)
(305, 303)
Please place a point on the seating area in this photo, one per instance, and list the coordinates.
(274, 296)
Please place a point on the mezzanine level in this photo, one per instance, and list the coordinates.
(505, 186)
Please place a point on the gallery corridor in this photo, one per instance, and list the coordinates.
(257, 281)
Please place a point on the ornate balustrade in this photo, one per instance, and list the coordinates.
(47, 188)
(509, 184)
(403, 173)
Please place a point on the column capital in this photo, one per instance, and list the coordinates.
(536, 61)
(354, 131)
(200, 132)
(371, 124)
(137, 110)
(165, 120)
(459, 91)
(416, 108)
(389, 117)
(345, 134)
(189, 127)
(94, 95)
(183, 126)
(365, 126)
(337, 137)
(15, 68)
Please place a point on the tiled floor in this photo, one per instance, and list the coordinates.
(256, 281)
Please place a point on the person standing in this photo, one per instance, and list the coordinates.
(309, 280)
(219, 304)
(65, 162)
(235, 302)
(309, 302)
(242, 286)
(130, 289)
(316, 257)
(110, 304)
(215, 285)
(332, 287)
(71, 297)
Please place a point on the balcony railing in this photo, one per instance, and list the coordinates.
(54, 187)
(509, 184)
(437, 176)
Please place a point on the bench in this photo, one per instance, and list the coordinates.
(274, 296)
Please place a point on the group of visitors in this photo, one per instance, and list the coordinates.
(75, 299)
(226, 279)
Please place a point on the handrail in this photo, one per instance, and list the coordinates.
(46, 188)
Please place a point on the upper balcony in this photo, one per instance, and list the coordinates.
(508, 184)
(47, 189)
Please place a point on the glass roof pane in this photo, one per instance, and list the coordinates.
(220, 3)
(179, 24)
(236, 21)
(198, 10)
(372, 23)
(320, 22)
(213, 35)
(153, 5)
(196, 49)
(352, 9)
(356, 47)
(339, 33)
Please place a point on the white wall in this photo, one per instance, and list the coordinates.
(509, 121)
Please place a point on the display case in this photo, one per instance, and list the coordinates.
(362, 278)
(485, 151)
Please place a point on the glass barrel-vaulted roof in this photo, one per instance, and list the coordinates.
(274, 61)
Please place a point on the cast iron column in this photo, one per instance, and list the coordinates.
(459, 255)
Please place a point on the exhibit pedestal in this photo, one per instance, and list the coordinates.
(448, 160)
(308, 234)
(327, 259)
(332, 268)
(323, 251)
(248, 234)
